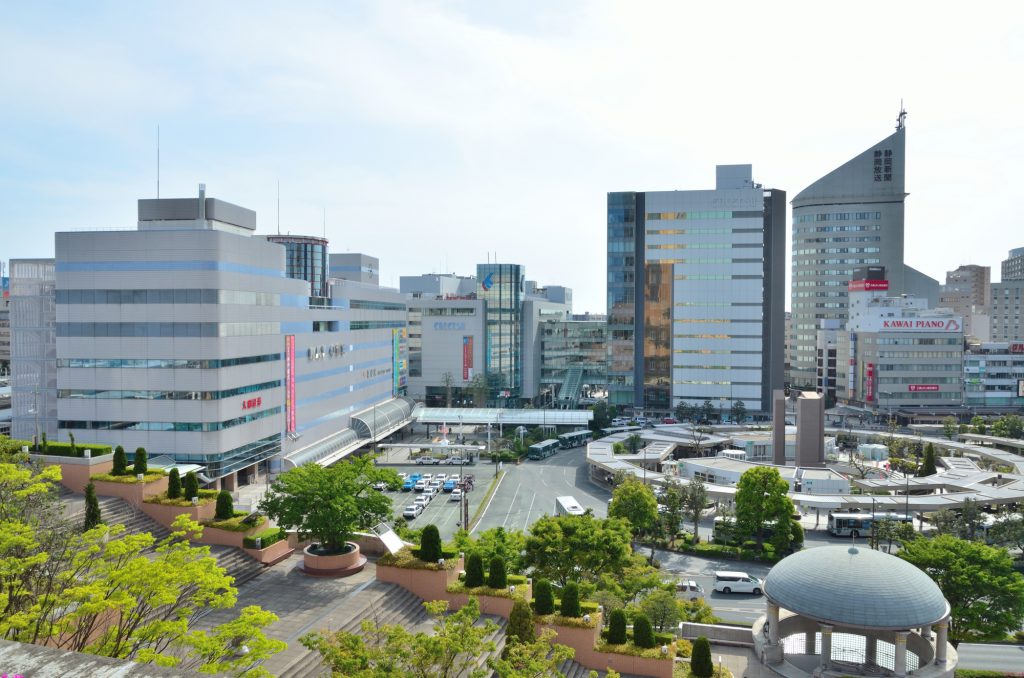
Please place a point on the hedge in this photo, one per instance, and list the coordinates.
(205, 497)
(234, 524)
(266, 537)
(407, 559)
(55, 449)
(149, 477)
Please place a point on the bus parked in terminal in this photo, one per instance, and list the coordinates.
(568, 506)
(859, 524)
(574, 439)
(543, 450)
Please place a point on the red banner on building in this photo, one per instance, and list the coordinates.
(867, 285)
(869, 384)
(467, 358)
(913, 388)
(289, 382)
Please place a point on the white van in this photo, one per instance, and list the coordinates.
(737, 582)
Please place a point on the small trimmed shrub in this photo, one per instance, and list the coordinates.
(174, 485)
(700, 661)
(46, 445)
(430, 544)
(191, 485)
(266, 537)
(497, 578)
(92, 508)
(520, 622)
(474, 570)
(225, 506)
(643, 633)
(617, 627)
(571, 600)
(544, 599)
(796, 532)
(141, 461)
(120, 462)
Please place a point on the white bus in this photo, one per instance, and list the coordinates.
(568, 506)
(859, 524)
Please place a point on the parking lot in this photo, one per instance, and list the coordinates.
(440, 511)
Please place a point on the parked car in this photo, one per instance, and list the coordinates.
(381, 485)
(737, 582)
(427, 476)
(408, 485)
(403, 476)
(420, 486)
(456, 495)
(430, 492)
(441, 476)
(690, 589)
(428, 461)
(449, 485)
(669, 420)
(456, 460)
(423, 500)
(412, 511)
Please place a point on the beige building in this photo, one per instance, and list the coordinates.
(967, 293)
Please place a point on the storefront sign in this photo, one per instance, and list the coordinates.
(252, 403)
(945, 325)
(1016, 348)
(868, 285)
(869, 384)
(467, 358)
(914, 388)
(442, 325)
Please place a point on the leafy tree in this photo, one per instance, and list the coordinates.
(661, 608)
(478, 387)
(447, 380)
(985, 593)
(761, 499)
(603, 415)
(544, 598)
(949, 427)
(191, 485)
(520, 623)
(225, 506)
(453, 648)
(617, 627)
(889, 531)
(695, 498)
(474, 570)
(120, 467)
(329, 503)
(927, 467)
(697, 611)
(978, 423)
(1008, 530)
(945, 521)
(707, 411)
(174, 484)
(685, 412)
(564, 548)
(571, 600)
(141, 461)
(634, 443)
(619, 448)
(497, 578)
(632, 580)
(701, 664)
(539, 658)
(738, 412)
(633, 501)
(430, 544)
(796, 532)
(970, 522)
(1008, 426)
(674, 512)
(643, 634)
(92, 508)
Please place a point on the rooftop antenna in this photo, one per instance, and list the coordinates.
(279, 207)
(901, 118)
(158, 162)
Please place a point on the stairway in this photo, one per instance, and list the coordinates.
(569, 391)
(237, 563)
(497, 637)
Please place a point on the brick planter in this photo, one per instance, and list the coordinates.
(427, 584)
(215, 535)
(335, 565)
(133, 493)
(274, 553)
(165, 515)
(584, 642)
(75, 472)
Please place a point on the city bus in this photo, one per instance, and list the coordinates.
(620, 429)
(859, 524)
(543, 450)
(568, 506)
(574, 439)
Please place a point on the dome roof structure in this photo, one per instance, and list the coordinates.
(856, 587)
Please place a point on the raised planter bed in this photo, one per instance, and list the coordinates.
(133, 492)
(333, 564)
(273, 554)
(165, 514)
(429, 583)
(584, 641)
(75, 472)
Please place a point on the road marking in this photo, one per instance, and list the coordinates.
(526, 523)
(515, 498)
(488, 506)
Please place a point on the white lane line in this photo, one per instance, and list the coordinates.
(526, 523)
(515, 498)
(493, 495)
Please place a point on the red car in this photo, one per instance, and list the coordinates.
(669, 420)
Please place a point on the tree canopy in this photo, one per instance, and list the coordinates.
(761, 499)
(582, 548)
(635, 502)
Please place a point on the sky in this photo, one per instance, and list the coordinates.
(438, 135)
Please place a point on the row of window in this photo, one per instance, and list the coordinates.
(918, 354)
(449, 310)
(845, 238)
(376, 324)
(185, 296)
(703, 246)
(165, 395)
(704, 214)
(914, 341)
(845, 272)
(715, 276)
(175, 363)
(838, 250)
(168, 330)
(177, 426)
(837, 216)
(701, 231)
(832, 262)
(376, 305)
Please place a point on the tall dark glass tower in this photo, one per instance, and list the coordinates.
(502, 287)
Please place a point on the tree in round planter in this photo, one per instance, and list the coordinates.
(474, 570)
(643, 632)
(700, 660)
(120, 467)
(617, 628)
(141, 461)
(430, 544)
(191, 485)
(571, 600)
(225, 506)
(174, 484)
(497, 578)
(544, 598)
(328, 504)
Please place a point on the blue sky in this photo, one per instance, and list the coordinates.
(434, 133)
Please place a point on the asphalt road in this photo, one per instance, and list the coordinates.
(990, 657)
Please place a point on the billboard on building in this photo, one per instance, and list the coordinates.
(953, 324)
(914, 388)
(289, 383)
(467, 358)
(869, 384)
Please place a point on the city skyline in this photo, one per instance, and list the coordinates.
(466, 132)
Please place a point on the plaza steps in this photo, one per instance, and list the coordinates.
(497, 637)
(237, 563)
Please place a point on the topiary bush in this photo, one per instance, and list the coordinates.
(643, 633)
(141, 463)
(225, 506)
(700, 661)
(474, 570)
(92, 508)
(174, 484)
(617, 627)
(544, 599)
(520, 622)
(571, 600)
(430, 544)
(497, 578)
(191, 485)
(120, 467)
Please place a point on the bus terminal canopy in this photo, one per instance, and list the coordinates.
(504, 417)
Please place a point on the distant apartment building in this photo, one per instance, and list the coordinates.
(851, 217)
(1007, 323)
(967, 292)
(994, 377)
(1012, 267)
(695, 295)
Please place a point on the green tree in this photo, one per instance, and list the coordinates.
(474, 570)
(985, 593)
(478, 387)
(632, 580)
(603, 415)
(141, 462)
(544, 598)
(707, 411)
(697, 611)
(120, 466)
(497, 577)
(225, 506)
(890, 531)
(191, 485)
(92, 508)
(430, 544)
(700, 659)
(978, 423)
(928, 465)
(540, 658)
(329, 503)
(520, 623)
(634, 502)
(949, 427)
(174, 484)
(970, 521)
(738, 412)
(643, 634)
(617, 627)
(695, 498)
(674, 512)
(570, 600)
(562, 548)
(1008, 530)
(453, 648)
(684, 411)
(761, 499)
(661, 608)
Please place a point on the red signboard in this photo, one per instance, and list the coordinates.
(467, 357)
(913, 388)
(1016, 348)
(868, 285)
(869, 384)
(289, 382)
(252, 403)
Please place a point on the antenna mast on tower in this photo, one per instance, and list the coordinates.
(901, 119)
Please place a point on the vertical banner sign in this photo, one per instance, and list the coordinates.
(467, 358)
(869, 384)
(289, 382)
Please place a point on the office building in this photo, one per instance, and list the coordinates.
(851, 217)
(502, 287)
(574, 360)
(695, 295)
(355, 266)
(1013, 266)
(1007, 322)
(542, 305)
(967, 293)
(33, 349)
(827, 360)
(447, 342)
(994, 377)
(193, 338)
